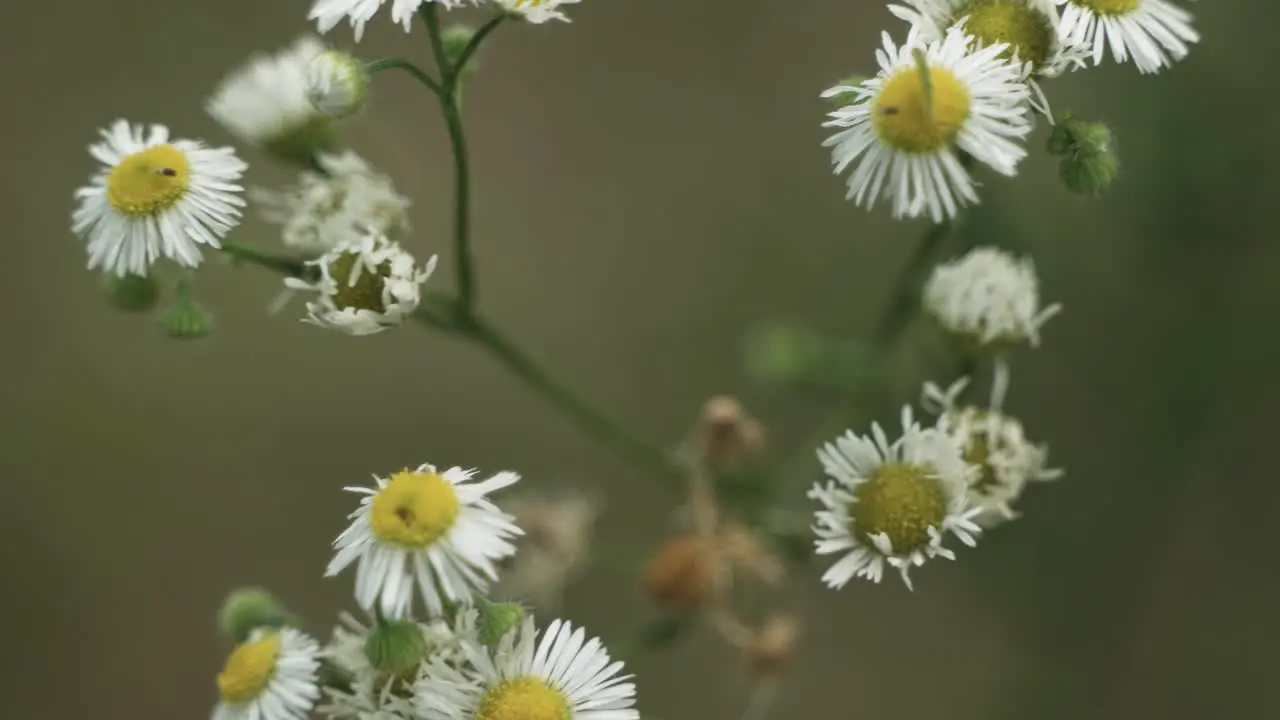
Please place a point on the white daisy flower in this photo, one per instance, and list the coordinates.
(366, 286)
(264, 102)
(1155, 33)
(271, 676)
(993, 441)
(1029, 29)
(436, 530)
(909, 149)
(371, 695)
(988, 296)
(890, 503)
(339, 206)
(328, 13)
(561, 676)
(155, 197)
(537, 11)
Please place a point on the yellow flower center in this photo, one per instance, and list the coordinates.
(1109, 7)
(1029, 33)
(249, 669)
(905, 119)
(525, 698)
(414, 509)
(366, 292)
(148, 182)
(902, 501)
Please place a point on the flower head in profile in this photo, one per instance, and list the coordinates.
(1153, 33)
(337, 83)
(560, 676)
(905, 130)
(273, 675)
(366, 285)
(264, 102)
(537, 11)
(890, 503)
(994, 442)
(155, 197)
(988, 296)
(435, 530)
(328, 13)
(341, 205)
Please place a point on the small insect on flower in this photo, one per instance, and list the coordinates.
(156, 197)
(1154, 33)
(890, 503)
(437, 530)
(560, 676)
(905, 130)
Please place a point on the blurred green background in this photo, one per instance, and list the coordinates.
(650, 183)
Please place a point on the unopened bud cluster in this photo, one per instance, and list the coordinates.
(1087, 162)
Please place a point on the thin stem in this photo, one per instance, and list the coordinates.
(592, 421)
(474, 44)
(418, 73)
(463, 262)
(280, 264)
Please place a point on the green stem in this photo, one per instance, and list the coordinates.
(252, 255)
(418, 73)
(463, 263)
(474, 44)
(596, 424)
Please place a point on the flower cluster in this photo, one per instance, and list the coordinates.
(962, 89)
(435, 537)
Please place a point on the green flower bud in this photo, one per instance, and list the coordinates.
(186, 321)
(1087, 163)
(497, 619)
(132, 293)
(454, 39)
(247, 609)
(396, 648)
(337, 83)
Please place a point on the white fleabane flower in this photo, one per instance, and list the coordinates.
(328, 13)
(908, 149)
(1154, 33)
(537, 11)
(988, 296)
(993, 441)
(1028, 29)
(264, 102)
(890, 503)
(366, 286)
(271, 676)
(561, 676)
(436, 530)
(342, 205)
(155, 197)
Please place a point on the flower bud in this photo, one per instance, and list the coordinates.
(497, 619)
(683, 574)
(395, 648)
(337, 84)
(186, 321)
(1087, 162)
(727, 436)
(248, 609)
(772, 646)
(132, 293)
